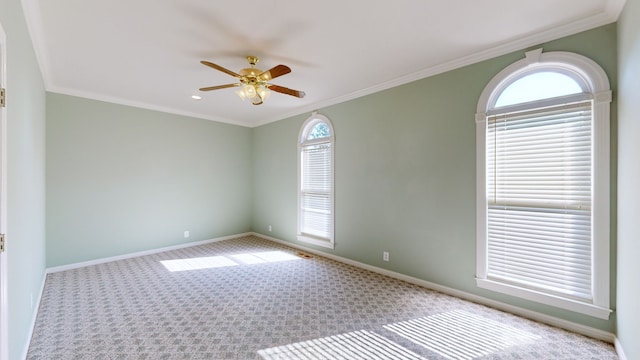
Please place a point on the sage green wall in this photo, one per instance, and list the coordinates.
(25, 177)
(405, 173)
(123, 179)
(628, 327)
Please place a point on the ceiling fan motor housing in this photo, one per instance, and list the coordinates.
(250, 76)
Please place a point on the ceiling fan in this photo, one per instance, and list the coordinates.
(254, 82)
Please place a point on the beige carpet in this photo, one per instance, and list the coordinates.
(250, 298)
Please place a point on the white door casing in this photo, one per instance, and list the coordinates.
(4, 325)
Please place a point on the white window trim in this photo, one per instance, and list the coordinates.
(596, 86)
(308, 124)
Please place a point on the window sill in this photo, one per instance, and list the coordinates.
(328, 243)
(547, 299)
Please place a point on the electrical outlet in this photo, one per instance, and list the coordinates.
(186, 233)
(385, 256)
(269, 228)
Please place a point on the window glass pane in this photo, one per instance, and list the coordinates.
(539, 200)
(316, 214)
(316, 168)
(538, 86)
(320, 130)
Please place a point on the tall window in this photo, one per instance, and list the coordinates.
(543, 182)
(315, 181)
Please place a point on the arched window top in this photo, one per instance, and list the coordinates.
(316, 128)
(566, 77)
(319, 130)
(538, 85)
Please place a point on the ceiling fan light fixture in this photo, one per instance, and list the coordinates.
(257, 94)
(249, 91)
(241, 94)
(263, 93)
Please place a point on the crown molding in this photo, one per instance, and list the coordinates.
(143, 105)
(613, 9)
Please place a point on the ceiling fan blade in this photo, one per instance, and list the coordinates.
(218, 67)
(274, 72)
(219, 87)
(284, 90)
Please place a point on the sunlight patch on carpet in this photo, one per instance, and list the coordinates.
(263, 257)
(460, 335)
(356, 345)
(211, 262)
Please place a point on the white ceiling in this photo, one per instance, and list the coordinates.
(147, 53)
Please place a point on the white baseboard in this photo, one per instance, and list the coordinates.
(620, 350)
(140, 253)
(34, 317)
(547, 319)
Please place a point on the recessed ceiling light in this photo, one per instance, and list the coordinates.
(196, 97)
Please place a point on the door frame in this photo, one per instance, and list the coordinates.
(4, 310)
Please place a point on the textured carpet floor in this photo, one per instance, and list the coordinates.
(249, 298)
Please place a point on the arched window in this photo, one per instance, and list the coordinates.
(315, 181)
(543, 182)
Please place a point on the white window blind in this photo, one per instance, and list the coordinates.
(316, 190)
(539, 191)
